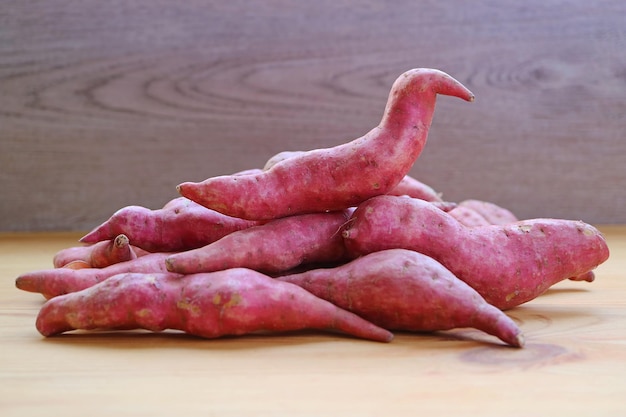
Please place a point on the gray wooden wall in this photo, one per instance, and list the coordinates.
(105, 104)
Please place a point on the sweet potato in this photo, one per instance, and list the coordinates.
(468, 217)
(77, 264)
(58, 281)
(180, 225)
(400, 289)
(276, 246)
(281, 156)
(493, 213)
(249, 171)
(507, 264)
(231, 302)
(343, 176)
(588, 276)
(407, 186)
(140, 252)
(475, 213)
(97, 255)
(414, 188)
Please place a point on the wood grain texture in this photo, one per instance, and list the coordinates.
(573, 363)
(107, 104)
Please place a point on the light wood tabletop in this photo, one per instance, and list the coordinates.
(574, 362)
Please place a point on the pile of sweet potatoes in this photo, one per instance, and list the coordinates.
(339, 239)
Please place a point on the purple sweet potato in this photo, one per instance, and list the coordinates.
(180, 225)
(58, 281)
(343, 176)
(399, 289)
(273, 247)
(97, 255)
(230, 302)
(507, 264)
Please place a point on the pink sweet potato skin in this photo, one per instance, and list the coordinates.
(343, 176)
(58, 281)
(77, 264)
(468, 216)
(414, 188)
(407, 186)
(400, 289)
(507, 264)
(180, 225)
(476, 213)
(231, 302)
(588, 276)
(493, 213)
(281, 156)
(274, 247)
(97, 255)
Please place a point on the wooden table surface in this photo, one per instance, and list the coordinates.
(574, 362)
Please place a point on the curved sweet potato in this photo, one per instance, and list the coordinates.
(507, 264)
(97, 255)
(180, 225)
(231, 302)
(407, 186)
(343, 176)
(400, 289)
(273, 247)
(58, 281)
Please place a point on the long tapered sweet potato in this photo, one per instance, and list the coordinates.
(180, 225)
(97, 255)
(273, 247)
(399, 289)
(58, 281)
(407, 186)
(507, 264)
(230, 302)
(343, 176)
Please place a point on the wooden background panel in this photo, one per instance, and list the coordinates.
(107, 104)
